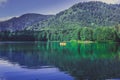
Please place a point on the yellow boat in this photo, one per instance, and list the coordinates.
(62, 43)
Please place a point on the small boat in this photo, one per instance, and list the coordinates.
(62, 43)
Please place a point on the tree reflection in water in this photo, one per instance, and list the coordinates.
(81, 61)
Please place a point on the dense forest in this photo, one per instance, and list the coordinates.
(87, 21)
(21, 22)
(99, 34)
(86, 14)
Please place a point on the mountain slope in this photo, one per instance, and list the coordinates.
(86, 14)
(20, 23)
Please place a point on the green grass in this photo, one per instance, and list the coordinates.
(79, 41)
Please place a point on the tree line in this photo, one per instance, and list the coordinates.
(100, 34)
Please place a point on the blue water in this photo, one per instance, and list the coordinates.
(50, 61)
(15, 72)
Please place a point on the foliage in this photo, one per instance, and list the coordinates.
(22, 22)
(104, 34)
(86, 34)
(117, 29)
(87, 21)
(89, 14)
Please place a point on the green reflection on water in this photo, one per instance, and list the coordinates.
(82, 61)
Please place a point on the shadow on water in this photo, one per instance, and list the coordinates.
(96, 61)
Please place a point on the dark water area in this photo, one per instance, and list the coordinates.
(50, 61)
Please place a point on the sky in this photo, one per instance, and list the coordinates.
(12, 8)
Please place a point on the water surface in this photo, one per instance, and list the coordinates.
(50, 61)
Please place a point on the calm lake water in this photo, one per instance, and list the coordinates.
(50, 61)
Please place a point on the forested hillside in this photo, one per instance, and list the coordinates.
(95, 21)
(87, 21)
(20, 23)
(86, 14)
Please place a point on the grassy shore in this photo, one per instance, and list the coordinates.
(79, 41)
(86, 42)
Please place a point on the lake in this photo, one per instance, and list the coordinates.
(50, 61)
